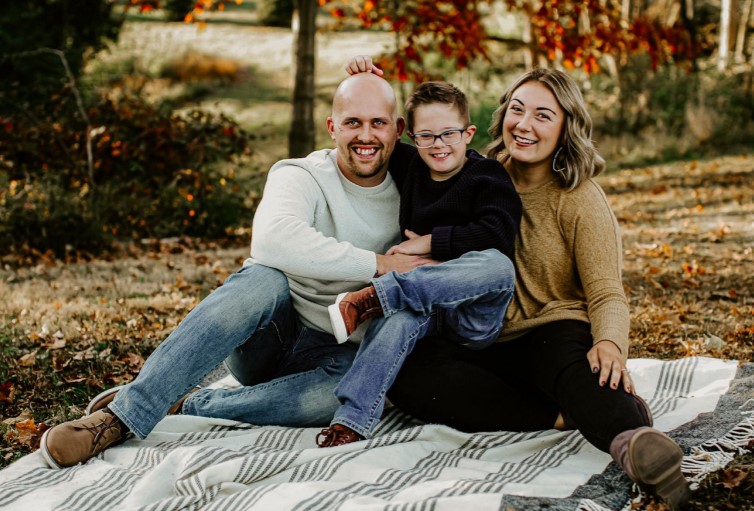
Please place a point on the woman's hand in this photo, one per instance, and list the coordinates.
(362, 64)
(414, 245)
(605, 358)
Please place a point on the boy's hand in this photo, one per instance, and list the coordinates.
(414, 245)
(362, 64)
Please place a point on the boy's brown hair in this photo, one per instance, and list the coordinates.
(436, 92)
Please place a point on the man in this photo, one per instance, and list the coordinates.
(324, 221)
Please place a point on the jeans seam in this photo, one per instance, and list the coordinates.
(383, 390)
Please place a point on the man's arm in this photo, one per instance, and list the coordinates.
(284, 236)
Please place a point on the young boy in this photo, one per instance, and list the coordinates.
(457, 207)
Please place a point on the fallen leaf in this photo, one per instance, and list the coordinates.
(713, 342)
(7, 392)
(28, 359)
(26, 433)
(58, 344)
(732, 477)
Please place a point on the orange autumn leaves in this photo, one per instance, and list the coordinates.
(22, 430)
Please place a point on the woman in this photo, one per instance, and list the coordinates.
(561, 357)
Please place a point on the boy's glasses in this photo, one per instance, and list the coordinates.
(449, 137)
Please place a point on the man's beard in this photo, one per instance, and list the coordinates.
(359, 169)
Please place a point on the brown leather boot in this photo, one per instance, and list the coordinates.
(352, 309)
(652, 460)
(77, 441)
(337, 434)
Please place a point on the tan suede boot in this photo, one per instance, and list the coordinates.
(652, 459)
(77, 441)
(352, 309)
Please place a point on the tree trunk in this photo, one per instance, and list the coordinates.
(738, 55)
(687, 15)
(724, 42)
(301, 137)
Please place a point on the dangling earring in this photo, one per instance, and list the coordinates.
(555, 158)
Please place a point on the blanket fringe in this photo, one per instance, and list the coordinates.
(715, 454)
(704, 459)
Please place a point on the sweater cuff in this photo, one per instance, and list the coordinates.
(441, 243)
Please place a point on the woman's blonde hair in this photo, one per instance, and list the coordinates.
(578, 158)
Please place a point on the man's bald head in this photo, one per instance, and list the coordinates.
(365, 126)
(357, 87)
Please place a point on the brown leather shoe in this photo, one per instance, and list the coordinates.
(653, 461)
(103, 399)
(352, 309)
(337, 434)
(77, 441)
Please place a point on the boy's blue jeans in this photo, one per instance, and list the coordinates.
(464, 298)
(290, 371)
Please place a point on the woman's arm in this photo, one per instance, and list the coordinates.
(597, 249)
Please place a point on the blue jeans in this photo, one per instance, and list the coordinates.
(464, 298)
(290, 371)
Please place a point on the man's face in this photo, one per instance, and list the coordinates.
(365, 126)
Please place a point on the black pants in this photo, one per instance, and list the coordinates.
(520, 385)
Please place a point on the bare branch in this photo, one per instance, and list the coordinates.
(79, 104)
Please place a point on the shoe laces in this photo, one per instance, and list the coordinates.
(105, 428)
(337, 435)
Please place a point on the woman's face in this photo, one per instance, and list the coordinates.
(533, 125)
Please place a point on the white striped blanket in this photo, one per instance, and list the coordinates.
(197, 463)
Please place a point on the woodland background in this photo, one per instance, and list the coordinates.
(135, 137)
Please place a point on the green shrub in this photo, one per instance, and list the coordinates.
(29, 28)
(153, 174)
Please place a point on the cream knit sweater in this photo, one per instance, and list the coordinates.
(568, 264)
(322, 231)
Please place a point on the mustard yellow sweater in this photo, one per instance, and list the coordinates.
(568, 264)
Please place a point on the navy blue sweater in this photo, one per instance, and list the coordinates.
(476, 209)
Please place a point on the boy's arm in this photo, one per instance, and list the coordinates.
(496, 220)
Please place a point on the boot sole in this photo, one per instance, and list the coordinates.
(336, 320)
(46, 454)
(99, 397)
(663, 477)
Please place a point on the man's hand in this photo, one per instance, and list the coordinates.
(401, 263)
(362, 64)
(414, 245)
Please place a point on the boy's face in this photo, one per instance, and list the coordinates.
(444, 161)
